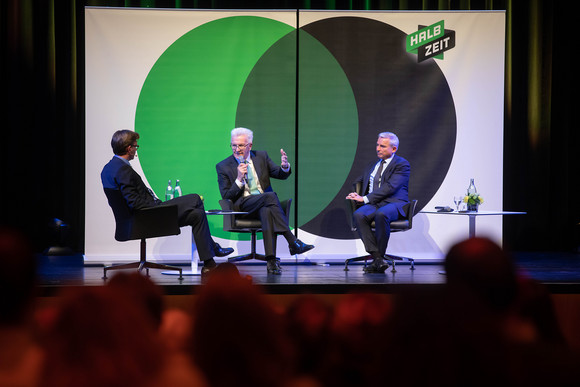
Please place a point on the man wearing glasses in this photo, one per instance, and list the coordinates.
(118, 174)
(244, 178)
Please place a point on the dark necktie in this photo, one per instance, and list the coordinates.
(377, 179)
(155, 198)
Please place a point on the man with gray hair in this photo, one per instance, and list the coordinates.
(244, 178)
(385, 186)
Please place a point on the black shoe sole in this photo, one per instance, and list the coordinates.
(223, 253)
(294, 252)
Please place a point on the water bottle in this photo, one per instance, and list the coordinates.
(169, 192)
(471, 189)
(177, 190)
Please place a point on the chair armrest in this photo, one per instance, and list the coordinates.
(352, 206)
(227, 205)
(286, 204)
(410, 209)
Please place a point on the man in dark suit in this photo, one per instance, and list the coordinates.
(244, 178)
(118, 174)
(385, 191)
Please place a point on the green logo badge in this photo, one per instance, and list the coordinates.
(431, 41)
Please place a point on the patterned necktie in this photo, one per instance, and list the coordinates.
(377, 178)
(252, 180)
(155, 198)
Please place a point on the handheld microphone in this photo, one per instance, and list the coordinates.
(244, 161)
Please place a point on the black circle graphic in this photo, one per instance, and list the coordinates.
(393, 93)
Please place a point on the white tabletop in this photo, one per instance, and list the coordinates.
(472, 215)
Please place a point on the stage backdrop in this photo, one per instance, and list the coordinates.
(320, 85)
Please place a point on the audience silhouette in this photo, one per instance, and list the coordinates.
(488, 325)
(172, 326)
(477, 330)
(101, 338)
(21, 356)
(237, 337)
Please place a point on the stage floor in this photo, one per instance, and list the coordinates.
(559, 271)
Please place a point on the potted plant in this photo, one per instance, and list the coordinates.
(473, 200)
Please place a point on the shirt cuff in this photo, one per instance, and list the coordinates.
(240, 184)
(366, 200)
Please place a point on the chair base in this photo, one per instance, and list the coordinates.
(246, 257)
(142, 265)
(253, 254)
(390, 258)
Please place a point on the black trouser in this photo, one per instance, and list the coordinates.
(190, 212)
(267, 208)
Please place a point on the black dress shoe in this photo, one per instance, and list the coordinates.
(299, 247)
(222, 251)
(273, 266)
(379, 265)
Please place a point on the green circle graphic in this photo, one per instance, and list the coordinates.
(187, 105)
(245, 71)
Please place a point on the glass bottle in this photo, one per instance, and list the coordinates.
(169, 192)
(471, 189)
(177, 190)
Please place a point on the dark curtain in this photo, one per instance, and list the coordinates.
(42, 69)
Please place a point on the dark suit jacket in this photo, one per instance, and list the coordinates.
(227, 171)
(117, 174)
(394, 183)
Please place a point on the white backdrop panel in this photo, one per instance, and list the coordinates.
(122, 45)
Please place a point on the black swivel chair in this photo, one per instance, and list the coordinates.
(238, 223)
(399, 225)
(141, 224)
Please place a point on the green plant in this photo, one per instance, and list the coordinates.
(473, 198)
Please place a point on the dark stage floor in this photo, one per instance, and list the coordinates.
(559, 271)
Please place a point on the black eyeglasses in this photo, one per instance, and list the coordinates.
(135, 146)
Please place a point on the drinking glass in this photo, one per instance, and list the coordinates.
(458, 200)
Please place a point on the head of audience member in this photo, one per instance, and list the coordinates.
(308, 321)
(451, 334)
(17, 277)
(310, 315)
(233, 320)
(101, 338)
(142, 290)
(534, 306)
(357, 342)
(357, 312)
(226, 268)
(124, 142)
(481, 268)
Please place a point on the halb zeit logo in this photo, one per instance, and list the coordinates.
(431, 41)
